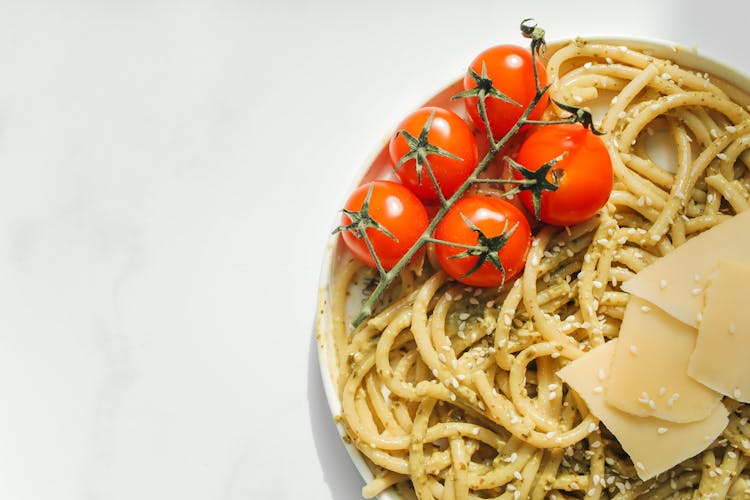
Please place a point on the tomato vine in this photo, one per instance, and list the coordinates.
(535, 181)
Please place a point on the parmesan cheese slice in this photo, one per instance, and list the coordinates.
(649, 373)
(720, 359)
(676, 281)
(654, 445)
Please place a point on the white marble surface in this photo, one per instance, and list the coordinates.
(169, 172)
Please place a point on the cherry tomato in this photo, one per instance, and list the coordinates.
(584, 175)
(448, 132)
(493, 217)
(397, 210)
(512, 73)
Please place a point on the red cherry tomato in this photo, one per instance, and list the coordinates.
(492, 216)
(398, 210)
(448, 132)
(510, 69)
(585, 173)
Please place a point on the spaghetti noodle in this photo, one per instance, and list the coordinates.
(451, 392)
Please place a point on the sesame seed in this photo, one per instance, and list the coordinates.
(593, 427)
(516, 495)
(597, 284)
(587, 65)
(640, 465)
(475, 431)
(731, 129)
(663, 284)
(598, 389)
(732, 328)
(737, 393)
(722, 156)
(633, 350)
(517, 475)
(745, 443)
(645, 309)
(662, 430)
(696, 291)
(674, 397)
(662, 391)
(463, 316)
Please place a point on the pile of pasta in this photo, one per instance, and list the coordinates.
(450, 392)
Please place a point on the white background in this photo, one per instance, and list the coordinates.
(169, 174)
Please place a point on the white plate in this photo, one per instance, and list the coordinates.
(380, 167)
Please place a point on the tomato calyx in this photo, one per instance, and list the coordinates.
(536, 182)
(486, 249)
(483, 89)
(419, 149)
(579, 115)
(361, 221)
